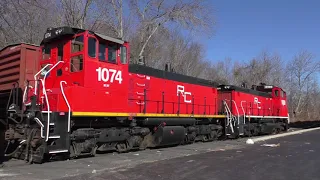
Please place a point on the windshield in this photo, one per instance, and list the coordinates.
(46, 50)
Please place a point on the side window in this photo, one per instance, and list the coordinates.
(112, 54)
(77, 44)
(60, 58)
(123, 56)
(76, 63)
(102, 51)
(92, 47)
(282, 94)
(46, 52)
(276, 92)
(60, 52)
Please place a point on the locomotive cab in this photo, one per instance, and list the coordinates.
(279, 98)
(77, 67)
(79, 50)
(83, 60)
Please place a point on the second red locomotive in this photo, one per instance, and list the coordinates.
(259, 110)
(86, 97)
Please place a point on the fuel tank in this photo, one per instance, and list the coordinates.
(168, 121)
(169, 135)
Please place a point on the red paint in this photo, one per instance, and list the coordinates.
(137, 93)
(87, 94)
(245, 103)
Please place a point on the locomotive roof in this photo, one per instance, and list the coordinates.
(245, 90)
(108, 38)
(59, 32)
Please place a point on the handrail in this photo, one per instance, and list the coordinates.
(41, 126)
(229, 112)
(24, 93)
(35, 77)
(48, 108)
(65, 98)
(226, 108)
(46, 97)
(236, 109)
(244, 113)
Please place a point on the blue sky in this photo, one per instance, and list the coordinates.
(245, 28)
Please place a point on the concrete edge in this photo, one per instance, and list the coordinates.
(284, 134)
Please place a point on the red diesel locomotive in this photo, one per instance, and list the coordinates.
(259, 110)
(86, 97)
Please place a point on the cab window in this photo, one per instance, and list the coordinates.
(276, 92)
(60, 57)
(77, 44)
(123, 56)
(76, 63)
(46, 52)
(92, 47)
(112, 51)
(102, 51)
(60, 52)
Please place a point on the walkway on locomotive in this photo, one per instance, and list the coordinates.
(95, 70)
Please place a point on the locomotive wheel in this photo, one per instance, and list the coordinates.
(211, 136)
(205, 138)
(94, 151)
(190, 139)
(214, 135)
(275, 131)
(122, 147)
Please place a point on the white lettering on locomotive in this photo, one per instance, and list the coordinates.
(256, 101)
(59, 31)
(106, 75)
(47, 35)
(180, 89)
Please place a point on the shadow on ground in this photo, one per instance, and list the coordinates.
(305, 124)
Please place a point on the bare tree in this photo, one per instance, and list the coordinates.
(24, 21)
(302, 70)
(74, 12)
(220, 71)
(117, 7)
(265, 68)
(153, 14)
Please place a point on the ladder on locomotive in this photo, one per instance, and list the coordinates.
(234, 120)
(45, 124)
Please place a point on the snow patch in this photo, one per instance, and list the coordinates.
(249, 141)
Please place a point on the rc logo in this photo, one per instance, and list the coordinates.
(256, 101)
(180, 89)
